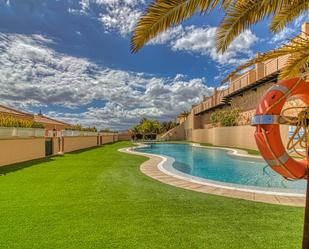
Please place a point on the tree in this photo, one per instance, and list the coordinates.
(239, 15)
(147, 127)
(185, 113)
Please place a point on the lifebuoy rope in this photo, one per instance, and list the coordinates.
(274, 156)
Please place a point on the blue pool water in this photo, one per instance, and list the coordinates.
(217, 165)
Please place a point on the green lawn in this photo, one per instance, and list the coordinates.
(99, 199)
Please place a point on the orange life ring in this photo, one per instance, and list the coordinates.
(267, 133)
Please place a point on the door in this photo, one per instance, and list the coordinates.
(48, 147)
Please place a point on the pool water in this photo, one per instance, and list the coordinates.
(217, 165)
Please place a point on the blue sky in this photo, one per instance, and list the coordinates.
(71, 59)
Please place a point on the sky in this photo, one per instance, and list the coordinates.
(71, 59)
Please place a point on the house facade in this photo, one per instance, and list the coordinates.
(244, 92)
(52, 126)
(10, 112)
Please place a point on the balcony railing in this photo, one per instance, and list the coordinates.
(246, 79)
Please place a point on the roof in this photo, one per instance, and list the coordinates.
(46, 120)
(9, 110)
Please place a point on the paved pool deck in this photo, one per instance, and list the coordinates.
(152, 169)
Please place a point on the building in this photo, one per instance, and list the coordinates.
(243, 92)
(51, 125)
(181, 118)
(8, 111)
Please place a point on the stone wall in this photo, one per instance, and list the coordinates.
(250, 98)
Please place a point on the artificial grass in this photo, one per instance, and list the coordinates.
(99, 199)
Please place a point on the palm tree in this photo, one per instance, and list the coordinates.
(185, 113)
(135, 130)
(297, 64)
(239, 15)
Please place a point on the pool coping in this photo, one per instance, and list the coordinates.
(154, 169)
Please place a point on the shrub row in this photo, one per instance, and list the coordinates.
(9, 121)
(225, 118)
(78, 127)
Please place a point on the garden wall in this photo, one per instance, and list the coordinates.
(16, 147)
(21, 149)
(236, 136)
(108, 138)
(78, 143)
(56, 145)
(124, 136)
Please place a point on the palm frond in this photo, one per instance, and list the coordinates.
(297, 49)
(288, 13)
(296, 63)
(162, 14)
(227, 4)
(240, 16)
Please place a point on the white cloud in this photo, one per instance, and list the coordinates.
(169, 35)
(115, 15)
(290, 31)
(32, 74)
(283, 35)
(122, 15)
(202, 40)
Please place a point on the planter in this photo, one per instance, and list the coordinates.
(6, 132)
(39, 132)
(69, 133)
(10, 132)
(24, 132)
(90, 133)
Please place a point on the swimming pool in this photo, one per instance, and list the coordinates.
(218, 166)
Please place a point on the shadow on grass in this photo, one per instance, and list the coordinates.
(22, 165)
(83, 150)
(19, 166)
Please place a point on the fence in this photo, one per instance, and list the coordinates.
(24, 144)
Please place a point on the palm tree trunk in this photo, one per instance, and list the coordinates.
(306, 220)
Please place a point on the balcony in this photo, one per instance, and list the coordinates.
(261, 73)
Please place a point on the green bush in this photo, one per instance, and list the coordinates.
(215, 117)
(9, 121)
(78, 127)
(37, 125)
(225, 118)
